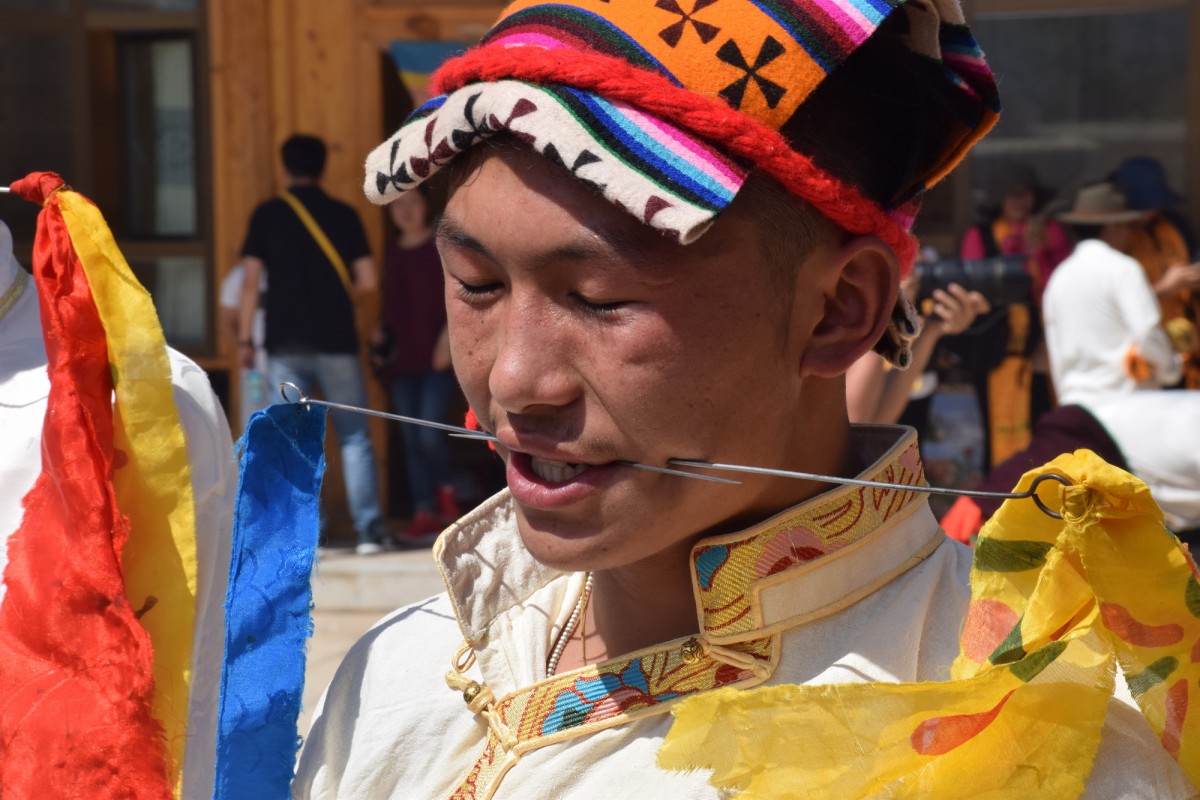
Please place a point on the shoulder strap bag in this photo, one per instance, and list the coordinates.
(327, 247)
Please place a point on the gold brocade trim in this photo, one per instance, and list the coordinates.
(725, 570)
(608, 694)
(14, 292)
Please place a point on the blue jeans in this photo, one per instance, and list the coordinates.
(426, 454)
(339, 378)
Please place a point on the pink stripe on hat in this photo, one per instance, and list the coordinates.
(709, 161)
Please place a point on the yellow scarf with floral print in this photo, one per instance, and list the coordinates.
(1056, 606)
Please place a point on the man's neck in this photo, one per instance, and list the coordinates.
(642, 604)
(653, 601)
(295, 182)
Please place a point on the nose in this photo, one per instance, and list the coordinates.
(533, 369)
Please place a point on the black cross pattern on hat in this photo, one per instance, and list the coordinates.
(674, 32)
(735, 92)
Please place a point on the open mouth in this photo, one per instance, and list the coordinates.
(549, 484)
(555, 471)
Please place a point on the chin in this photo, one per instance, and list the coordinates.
(594, 544)
(563, 546)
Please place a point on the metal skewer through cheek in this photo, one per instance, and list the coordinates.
(466, 433)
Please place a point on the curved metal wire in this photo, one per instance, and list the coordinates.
(466, 433)
(1030, 493)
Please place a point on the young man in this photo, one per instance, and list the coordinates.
(315, 253)
(683, 236)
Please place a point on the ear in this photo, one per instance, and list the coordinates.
(861, 282)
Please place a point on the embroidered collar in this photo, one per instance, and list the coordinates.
(735, 576)
(739, 579)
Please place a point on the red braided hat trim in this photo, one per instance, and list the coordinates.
(710, 119)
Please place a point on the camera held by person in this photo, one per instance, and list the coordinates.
(1002, 280)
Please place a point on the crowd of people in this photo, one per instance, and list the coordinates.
(1031, 364)
(1100, 352)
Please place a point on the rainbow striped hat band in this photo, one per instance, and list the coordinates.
(665, 106)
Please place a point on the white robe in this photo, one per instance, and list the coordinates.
(886, 606)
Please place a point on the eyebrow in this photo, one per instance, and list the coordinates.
(606, 246)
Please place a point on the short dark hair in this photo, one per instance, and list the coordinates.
(790, 228)
(1084, 232)
(304, 156)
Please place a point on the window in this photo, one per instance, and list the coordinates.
(108, 93)
(158, 127)
(1083, 90)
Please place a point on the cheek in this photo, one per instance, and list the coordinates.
(470, 352)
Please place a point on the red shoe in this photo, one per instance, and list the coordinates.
(421, 532)
(448, 505)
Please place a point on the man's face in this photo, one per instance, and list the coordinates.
(1120, 235)
(582, 337)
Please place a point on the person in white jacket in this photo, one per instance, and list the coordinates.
(1110, 354)
(1103, 324)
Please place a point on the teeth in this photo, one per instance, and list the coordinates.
(556, 471)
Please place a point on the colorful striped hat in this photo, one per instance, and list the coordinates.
(666, 106)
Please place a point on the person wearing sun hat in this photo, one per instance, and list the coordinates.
(1166, 248)
(671, 228)
(1103, 324)
(1110, 354)
(1004, 353)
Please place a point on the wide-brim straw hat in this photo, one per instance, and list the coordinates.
(1100, 204)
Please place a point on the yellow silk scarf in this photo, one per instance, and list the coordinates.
(1056, 606)
(152, 477)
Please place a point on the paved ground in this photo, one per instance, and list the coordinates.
(351, 593)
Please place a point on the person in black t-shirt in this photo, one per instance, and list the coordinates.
(311, 338)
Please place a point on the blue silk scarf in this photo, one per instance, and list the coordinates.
(267, 608)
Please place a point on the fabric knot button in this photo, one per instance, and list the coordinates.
(691, 651)
(1077, 503)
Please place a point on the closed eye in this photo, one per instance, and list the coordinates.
(475, 292)
(598, 309)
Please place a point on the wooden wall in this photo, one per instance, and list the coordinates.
(279, 67)
(283, 66)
